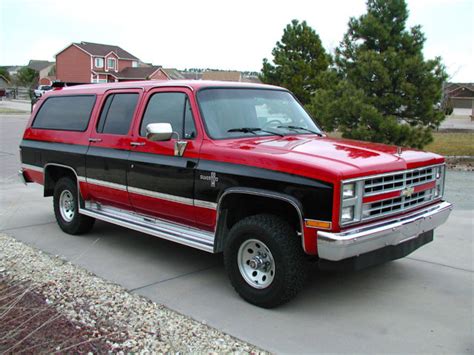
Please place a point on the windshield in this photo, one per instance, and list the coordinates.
(233, 113)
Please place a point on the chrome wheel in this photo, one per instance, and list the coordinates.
(67, 206)
(256, 264)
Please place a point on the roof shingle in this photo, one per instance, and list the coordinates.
(98, 49)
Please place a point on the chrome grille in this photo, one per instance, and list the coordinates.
(398, 181)
(400, 187)
(380, 208)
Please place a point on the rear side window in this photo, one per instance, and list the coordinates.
(117, 113)
(67, 113)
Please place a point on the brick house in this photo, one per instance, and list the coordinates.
(87, 62)
(148, 73)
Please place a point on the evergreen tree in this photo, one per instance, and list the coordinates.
(298, 60)
(392, 91)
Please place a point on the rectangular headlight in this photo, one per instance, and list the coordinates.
(347, 214)
(439, 180)
(348, 190)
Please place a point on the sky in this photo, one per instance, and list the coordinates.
(216, 34)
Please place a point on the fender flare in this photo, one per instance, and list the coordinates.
(78, 178)
(219, 235)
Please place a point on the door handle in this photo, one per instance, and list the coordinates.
(95, 140)
(137, 144)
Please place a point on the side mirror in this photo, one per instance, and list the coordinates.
(159, 131)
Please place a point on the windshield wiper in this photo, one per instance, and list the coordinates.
(301, 128)
(253, 130)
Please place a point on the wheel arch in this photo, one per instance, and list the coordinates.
(278, 202)
(53, 172)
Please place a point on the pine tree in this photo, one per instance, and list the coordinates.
(298, 60)
(395, 91)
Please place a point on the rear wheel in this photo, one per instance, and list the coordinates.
(66, 208)
(264, 260)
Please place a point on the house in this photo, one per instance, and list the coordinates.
(229, 76)
(45, 71)
(461, 97)
(4, 82)
(12, 70)
(192, 75)
(138, 73)
(171, 74)
(222, 75)
(87, 62)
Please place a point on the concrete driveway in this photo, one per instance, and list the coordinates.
(420, 304)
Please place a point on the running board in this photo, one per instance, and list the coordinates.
(178, 233)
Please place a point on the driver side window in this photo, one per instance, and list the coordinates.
(173, 108)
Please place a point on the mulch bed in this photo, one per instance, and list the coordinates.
(28, 324)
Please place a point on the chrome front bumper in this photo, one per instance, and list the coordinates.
(361, 240)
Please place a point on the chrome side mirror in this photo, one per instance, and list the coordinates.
(159, 131)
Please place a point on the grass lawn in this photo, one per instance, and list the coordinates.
(452, 143)
(6, 111)
(446, 143)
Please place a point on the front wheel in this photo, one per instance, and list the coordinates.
(66, 208)
(264, 260)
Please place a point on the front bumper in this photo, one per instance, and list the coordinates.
(361, 240)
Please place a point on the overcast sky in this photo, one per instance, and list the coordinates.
(215, 34)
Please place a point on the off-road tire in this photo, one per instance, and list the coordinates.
(285, 247)
(79, 224)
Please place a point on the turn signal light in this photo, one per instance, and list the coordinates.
(314, 223)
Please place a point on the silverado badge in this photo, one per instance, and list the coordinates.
(212, 178)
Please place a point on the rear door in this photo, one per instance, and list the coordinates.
(160, 180)
(109, 148)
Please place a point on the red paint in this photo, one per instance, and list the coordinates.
(322, 158)
(427, 186)
(34, 175)
(380, 197)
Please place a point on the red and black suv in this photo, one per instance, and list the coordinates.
(235, 168)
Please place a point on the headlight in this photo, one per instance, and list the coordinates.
(348, 190)
(439, 180)
(347, 214)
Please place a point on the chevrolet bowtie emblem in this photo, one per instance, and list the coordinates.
(408, 191)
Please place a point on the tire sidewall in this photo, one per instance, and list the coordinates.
(62, 185)
(261, 297)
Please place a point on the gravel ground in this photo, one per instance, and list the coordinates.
(124, 322)
(460, 163)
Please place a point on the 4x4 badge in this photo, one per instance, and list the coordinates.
(212, 178)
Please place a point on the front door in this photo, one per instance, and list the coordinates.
(160, 177)
(109, 149)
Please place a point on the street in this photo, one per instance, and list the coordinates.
(420, 304)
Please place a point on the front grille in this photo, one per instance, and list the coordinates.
(390, 194)
(385, 207)
(398, 181)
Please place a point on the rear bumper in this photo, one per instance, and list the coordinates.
(362, 240)
(23, 178)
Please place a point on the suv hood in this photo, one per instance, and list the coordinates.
(322, 157)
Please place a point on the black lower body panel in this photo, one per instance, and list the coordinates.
(379, 256)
